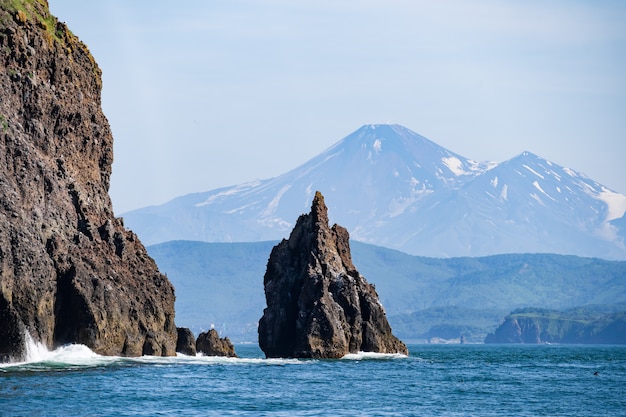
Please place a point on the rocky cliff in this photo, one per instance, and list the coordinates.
(69, 270)
(534, 326)
(318, 305)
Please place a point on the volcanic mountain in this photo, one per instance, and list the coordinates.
(391, 187)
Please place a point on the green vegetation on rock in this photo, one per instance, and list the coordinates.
(38, 12)
(585, 324)
(74, 273)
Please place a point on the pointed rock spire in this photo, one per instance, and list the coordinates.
(318, 305)
(319, 211)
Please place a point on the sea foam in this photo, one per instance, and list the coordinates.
(72, 356)
(373, 356)
(37, 356)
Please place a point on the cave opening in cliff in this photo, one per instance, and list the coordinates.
(11, 341)
(72, 322)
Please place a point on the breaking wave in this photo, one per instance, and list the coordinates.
(373, 356)
(76, 356)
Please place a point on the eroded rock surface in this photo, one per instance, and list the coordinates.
(210, 344)
(318, 305)
(186, 343)
(69, 270)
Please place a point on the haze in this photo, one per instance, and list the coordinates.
(204, 94)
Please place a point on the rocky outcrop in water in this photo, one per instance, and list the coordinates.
(186, 343)
(210, 344)
(318, 305)
(69, 270)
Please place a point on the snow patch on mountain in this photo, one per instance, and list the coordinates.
(537, 198)
(483, 166)
(454, 165)
(398, 206)
(570, 172)
(533, 171)
(538, 187)
(413, 196)
(276, 223)
(273, 204)
(616, 207)
(237, 209)
(616, 203)
(505, 192)
(229, 192)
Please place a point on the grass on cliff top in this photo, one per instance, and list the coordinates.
(583, 314)
(38, 12)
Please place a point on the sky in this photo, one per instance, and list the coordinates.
(206, 94)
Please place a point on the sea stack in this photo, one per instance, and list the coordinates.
(69, 270)
(318, 305)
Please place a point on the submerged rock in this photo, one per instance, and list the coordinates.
(318, 305)
(210, 344)
(69, 270)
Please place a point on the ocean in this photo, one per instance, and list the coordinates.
(434, 380)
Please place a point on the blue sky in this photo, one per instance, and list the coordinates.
(205, 94)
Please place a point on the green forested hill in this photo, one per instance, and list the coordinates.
(590, 324)
(221, 284)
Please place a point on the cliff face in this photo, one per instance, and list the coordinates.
(559, 328)
(69, 271)
(318, 305)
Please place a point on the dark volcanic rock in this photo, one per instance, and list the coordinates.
(69, 270)
(211, 344)
(186, 343)
(318, 305)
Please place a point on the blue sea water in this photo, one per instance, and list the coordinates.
(434, 380)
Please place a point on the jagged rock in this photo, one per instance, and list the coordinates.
(186, 342)
(318, 305)
(69, 270)
(210, 344)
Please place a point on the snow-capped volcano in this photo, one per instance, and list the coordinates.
(392, 187)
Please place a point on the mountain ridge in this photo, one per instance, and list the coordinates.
(395, 188)
(419, 293)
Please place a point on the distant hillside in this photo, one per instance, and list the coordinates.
(589, 325)
(217, 284)
(391, 187)
(221, 284)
